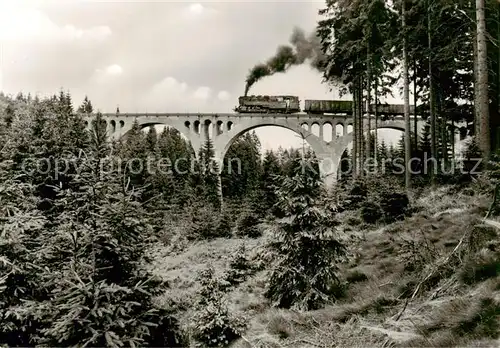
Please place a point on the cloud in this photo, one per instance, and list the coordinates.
(20, 22)
(165, 95)
(114, 69)
(196, 8)
(106, 75)
(223, 95)
(173, 95)
(202, 93)
(168, 89)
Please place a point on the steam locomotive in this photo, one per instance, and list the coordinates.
(280, 104)
(286, 104)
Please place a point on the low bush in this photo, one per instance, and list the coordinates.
(371, 212)
(356, 276)
(226, 224)
(357, 193)
(239, 267)
(394, 205)
(479, 267)
(207, 223)
(212, 323)
(248, 225)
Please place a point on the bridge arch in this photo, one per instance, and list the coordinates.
(327, 130)
(182, 126)
(224, 142)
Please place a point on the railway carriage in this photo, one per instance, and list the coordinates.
(328, 106)
(345, 107)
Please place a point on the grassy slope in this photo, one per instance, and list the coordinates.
(433, 251)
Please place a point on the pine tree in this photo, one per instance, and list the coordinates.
(21, 245)
(213, 323)
(210, 174)
(151, 139)
(242, 167)
(133, 155)
(306, 244)
(271, 171)
(101, 294)
(86, 106)
(425, 141)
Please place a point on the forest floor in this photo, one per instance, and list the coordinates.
(430, 280)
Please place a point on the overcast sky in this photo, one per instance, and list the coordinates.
(155, 56)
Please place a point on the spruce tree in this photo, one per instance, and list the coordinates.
(21, 245)
(133, 154)
(271, 171)
(86, 106)
(306, 244)
(209, 170)
(101, 294)
(151, 139)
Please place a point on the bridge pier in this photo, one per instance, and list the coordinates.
(329, 164)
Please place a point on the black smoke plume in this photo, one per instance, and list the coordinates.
(302, 48)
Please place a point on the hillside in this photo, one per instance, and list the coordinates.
(430, 280)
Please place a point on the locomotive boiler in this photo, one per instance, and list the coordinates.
(280, 104)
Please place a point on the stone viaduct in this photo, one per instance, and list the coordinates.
(224, 129)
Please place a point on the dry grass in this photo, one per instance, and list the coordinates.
(181, 270)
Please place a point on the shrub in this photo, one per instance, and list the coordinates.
(356, 276)
(226, 224)
(212, 323)
(394, 205)
(167, 333)
(480, 267)
(239, 267)
(357, 194)
(205, 223)
(248, 225)
(371, 212)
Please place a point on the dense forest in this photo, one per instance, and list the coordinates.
(449, 52)
(97, 249)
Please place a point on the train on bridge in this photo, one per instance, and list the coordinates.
(288, 104)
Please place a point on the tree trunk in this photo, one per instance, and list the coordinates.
(442, 122)
(482, 102)
(361, 128)
(219, 191)
(415, 98)
(452, 141)
(476, 118)
(432, 112)
(368, 101)
(406, 96)
(498, 56)
(354, 131)
(375, 134)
